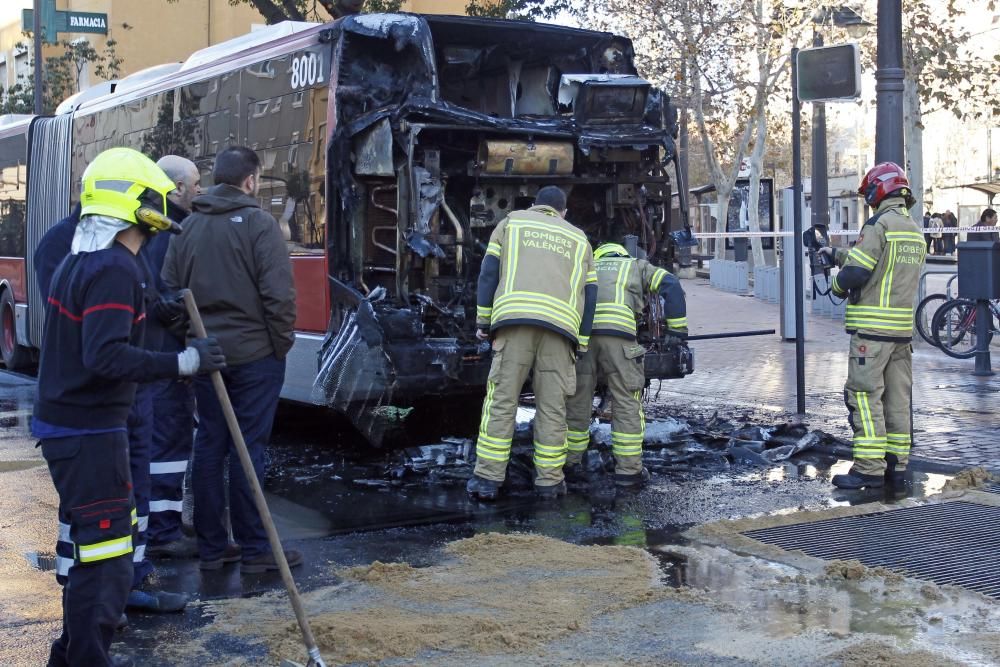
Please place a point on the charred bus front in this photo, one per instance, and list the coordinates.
(440, 127)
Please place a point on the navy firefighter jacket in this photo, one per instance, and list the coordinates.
(91, 357)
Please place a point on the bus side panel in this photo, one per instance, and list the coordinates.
(312, 298)
(12, 270)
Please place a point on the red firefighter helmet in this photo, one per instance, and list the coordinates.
(885, 180)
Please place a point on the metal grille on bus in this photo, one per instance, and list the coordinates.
(48, 200)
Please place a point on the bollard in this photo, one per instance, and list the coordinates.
(984, 318)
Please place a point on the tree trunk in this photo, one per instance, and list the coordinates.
(756, 166)
(913, 136)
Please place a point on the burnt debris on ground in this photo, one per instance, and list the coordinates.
(672, 445)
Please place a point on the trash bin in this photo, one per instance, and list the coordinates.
(979, 270)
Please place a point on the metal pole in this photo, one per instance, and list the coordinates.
(889, 83)
(36, 29)
(820, 183)
(800, 306)
(984, 319)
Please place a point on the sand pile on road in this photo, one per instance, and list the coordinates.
(497, 593)
(877, 654)
(970, 478)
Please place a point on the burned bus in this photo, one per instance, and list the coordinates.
(391, 146)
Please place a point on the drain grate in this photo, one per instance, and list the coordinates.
(947, 543)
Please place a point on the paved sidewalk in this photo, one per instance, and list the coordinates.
(954, 411)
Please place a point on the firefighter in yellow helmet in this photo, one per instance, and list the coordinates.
(623, 285)
(536, 296)
(879, 276)
(91, 360)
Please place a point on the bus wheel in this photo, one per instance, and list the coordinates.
(14, 356)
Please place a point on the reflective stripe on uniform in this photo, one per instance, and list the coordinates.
(166, 506)
(658, 276)
(879, 317)
(139, 554)
(550, 456)
(898, 443)
(862, 258)
(493, 249)
(677, 322)
(119, 546)
(143, 524)
(167, 467)
(577, 441)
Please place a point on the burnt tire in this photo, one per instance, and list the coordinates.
(15, 356)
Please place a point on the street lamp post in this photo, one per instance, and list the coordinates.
(820, 186)
(889, 83)
(37, 65)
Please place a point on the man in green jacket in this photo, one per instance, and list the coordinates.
(880, 275)
(536, 296)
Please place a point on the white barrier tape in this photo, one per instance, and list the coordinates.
(831, 232)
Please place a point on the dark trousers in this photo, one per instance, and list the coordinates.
(253, 389)
(94, 551)
(140, 441)
(173, 440)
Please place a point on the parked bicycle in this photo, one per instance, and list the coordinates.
(950, 324)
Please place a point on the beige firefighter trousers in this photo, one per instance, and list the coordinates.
(878, 394)
(517, 351)
(619, 361)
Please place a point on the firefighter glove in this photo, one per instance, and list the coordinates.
(203, 355)
(168, 310)
(482, 334)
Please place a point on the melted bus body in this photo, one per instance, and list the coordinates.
(391, 146)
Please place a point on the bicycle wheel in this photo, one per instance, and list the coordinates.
(924, 316)
(954, 328)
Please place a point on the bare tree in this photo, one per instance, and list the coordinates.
(735, 54)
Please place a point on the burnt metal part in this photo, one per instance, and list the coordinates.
(439, 127)
(950, 543)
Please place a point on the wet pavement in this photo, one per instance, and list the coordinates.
(727, 451)
(954, 411)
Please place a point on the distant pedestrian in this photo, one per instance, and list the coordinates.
(233, 258)
(172, 399)
(950, 238)
(987, 219)
(880, 275)
(927, 225)
(536, 297)
(91, 360)
(937, 224)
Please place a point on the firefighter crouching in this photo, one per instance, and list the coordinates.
(622, 285)
(91, 360)
(880, 274)
(536, 297)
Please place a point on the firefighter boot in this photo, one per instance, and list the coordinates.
(574, 473)
(632, 481)
(480, 488)
(550, 492)
(893, 477)
(856, 480)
